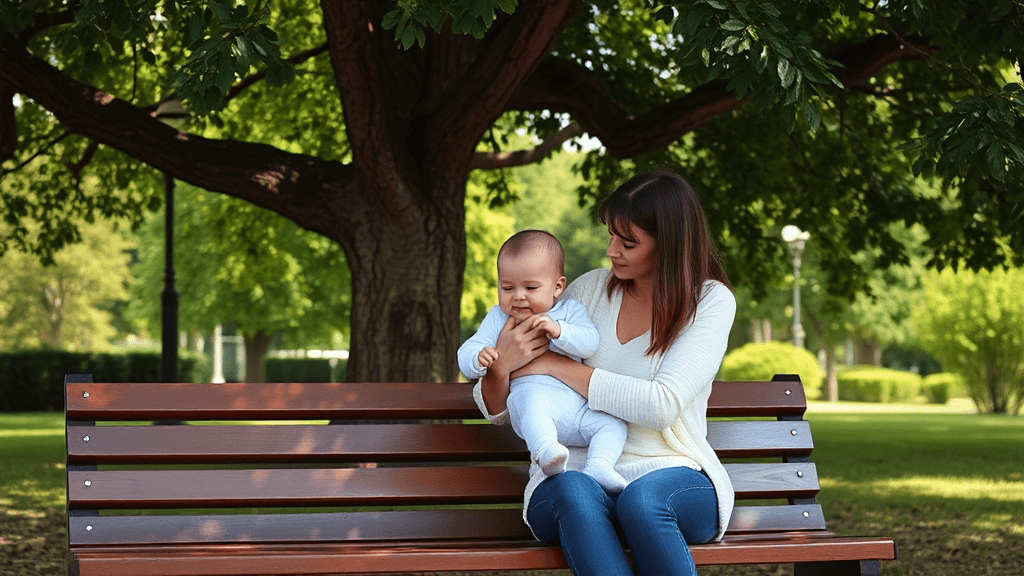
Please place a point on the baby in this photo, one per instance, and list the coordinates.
(544, 412)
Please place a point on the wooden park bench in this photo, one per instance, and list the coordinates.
(240, 491)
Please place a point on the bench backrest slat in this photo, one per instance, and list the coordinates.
(113, 401)
(381, 443)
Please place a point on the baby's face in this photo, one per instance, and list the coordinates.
(528, 284)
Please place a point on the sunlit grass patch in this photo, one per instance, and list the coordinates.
(937, 486)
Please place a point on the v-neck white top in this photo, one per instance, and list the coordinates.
(663, 398)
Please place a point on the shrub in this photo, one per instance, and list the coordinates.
(973, 323)
(879, 385)
(34, 379)
(940, 387)
(298, 369)
(762, 361)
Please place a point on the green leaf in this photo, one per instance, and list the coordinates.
(786, 73)
(225, 71)
(408, 37)
(196, 27)
(996, 162)
(245, 48)
(507, 6)
(733, 25)
(222, 12)
(811, 114)
(915, 144)
(392, 18)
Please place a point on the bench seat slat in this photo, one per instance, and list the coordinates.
(451, 556)
(502, 524)
(381, 443)
(271, 401)
(107, 489)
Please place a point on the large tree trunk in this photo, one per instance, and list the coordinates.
(407, 287)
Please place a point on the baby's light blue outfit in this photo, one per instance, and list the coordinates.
(546, 413)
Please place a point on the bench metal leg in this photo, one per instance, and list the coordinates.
(843, 568)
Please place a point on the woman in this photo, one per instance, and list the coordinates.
(664, 312)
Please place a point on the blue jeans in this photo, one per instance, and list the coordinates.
(657, 515)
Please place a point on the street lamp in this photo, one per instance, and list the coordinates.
(796, 238)
(172, 113)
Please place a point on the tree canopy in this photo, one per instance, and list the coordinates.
(361, 121)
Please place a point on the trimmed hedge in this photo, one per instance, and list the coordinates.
(942, 386)
(879, 385)
(34, 379)
(762, 361)
(303, 370)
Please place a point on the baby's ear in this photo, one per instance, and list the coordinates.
(559, 286)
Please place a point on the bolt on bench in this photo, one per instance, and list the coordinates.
(258, 482)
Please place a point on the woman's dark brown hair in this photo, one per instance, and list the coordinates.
(665, 206)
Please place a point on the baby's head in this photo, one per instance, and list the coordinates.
(529, 274)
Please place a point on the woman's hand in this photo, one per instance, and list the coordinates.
(516, 347)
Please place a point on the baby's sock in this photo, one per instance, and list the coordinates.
(605, 474)
(552, 459)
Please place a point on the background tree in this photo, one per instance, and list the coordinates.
(68, 303)
(675, 84)
(973, 323)
(237, 263)
(549, 201)
(487, 229)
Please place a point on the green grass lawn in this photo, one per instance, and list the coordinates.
(948, 487)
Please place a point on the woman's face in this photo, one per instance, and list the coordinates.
(633, 258)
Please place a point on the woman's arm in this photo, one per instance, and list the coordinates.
(571, 373)
(516, 346)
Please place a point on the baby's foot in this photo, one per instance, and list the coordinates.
(605, 475)
(552, 459)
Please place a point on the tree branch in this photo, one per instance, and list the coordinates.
(506, 64)
(562, 86)
(496, 160)
(372, 122)
(258, 173)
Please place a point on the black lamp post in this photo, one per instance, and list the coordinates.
(172, 113)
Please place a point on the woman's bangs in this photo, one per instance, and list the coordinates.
(617, 216)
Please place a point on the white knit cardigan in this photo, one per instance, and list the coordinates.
(663, 397)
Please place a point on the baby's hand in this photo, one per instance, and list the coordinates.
(547, 325)
(487, 356)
